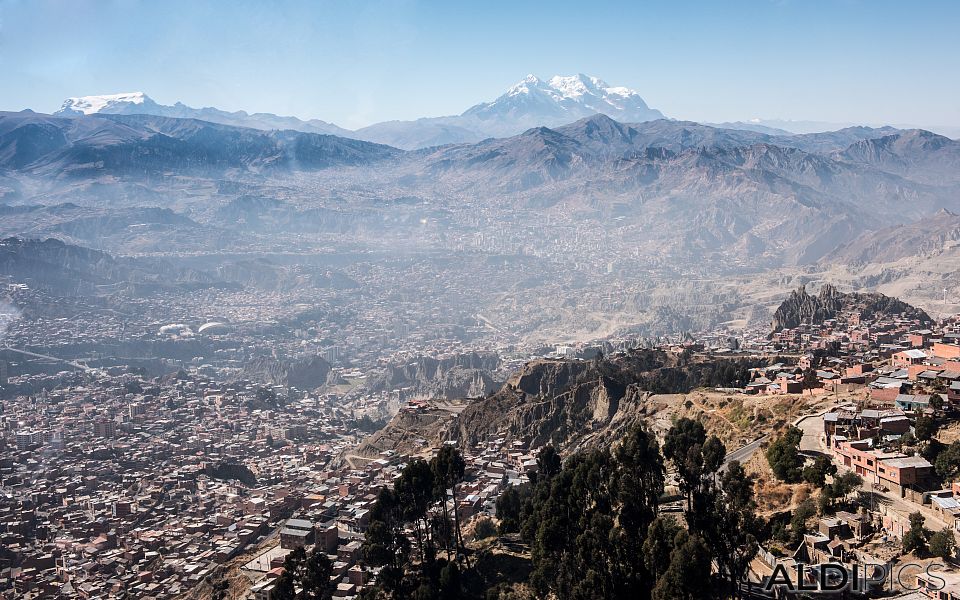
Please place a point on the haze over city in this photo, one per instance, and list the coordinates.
(481, 301)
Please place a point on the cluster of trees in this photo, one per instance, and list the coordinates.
(308, 575)
(594, 528)
(367, 425)
(420, 499)
(787, 464)
(721, 373)
(945, 458)
(922, 542)
(231, 471)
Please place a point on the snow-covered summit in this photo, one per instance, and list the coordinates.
(89, 105)
(138, 103)
(564, 99)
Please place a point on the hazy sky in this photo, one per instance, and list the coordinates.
(354, 62)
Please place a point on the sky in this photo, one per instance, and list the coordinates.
(357, 62)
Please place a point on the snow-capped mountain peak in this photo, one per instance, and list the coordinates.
(138, 103)
(89, 105)
(576, 86)
(563, 99)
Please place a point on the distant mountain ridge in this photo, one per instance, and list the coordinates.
(71, 146)
(529, 103)
(742, 195)
(138, 103)
(929, 236)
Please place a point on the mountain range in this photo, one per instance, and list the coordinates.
(531, 102)
(736, 193)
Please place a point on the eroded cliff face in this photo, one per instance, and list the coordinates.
(569, 404)
(467, 375)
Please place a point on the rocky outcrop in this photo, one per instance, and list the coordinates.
(305, 373)
(803, 308)
(567, 404)
(571, 404)
(468, 375)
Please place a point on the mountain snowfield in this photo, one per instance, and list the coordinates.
(575, 96)
(89, 105)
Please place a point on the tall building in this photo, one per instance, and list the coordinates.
(106, 428)
(28, 438)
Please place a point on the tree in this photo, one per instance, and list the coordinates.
(587, 523)
(924, 427)
(688, 576)
(638, 483)
(294, 566)
(385, 545)
(659, 544)
(810, 379)
(732, 535)
(683, 446)
(509, 507)
(417, 491)
(839, 489)
(783, 455)
(846, 483)
(572, 531)
(315, 579)
(798, 522)
(484, 529)
(942, 544)
(448, 469)
(816, 473)
(548, 463)
(936, 401)
(450, 588)
(915, 540)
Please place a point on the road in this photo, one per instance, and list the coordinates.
(811, 426)
(75, 365)
(743, 453)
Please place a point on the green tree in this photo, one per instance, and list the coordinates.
(783, 455)
(509, 508)
(638, 483)
(315, 580)
(548, 463)
(294, 567)
(816, 473)
(484, 529)
(924, 427)
(417, 491)
(936, 401)
(448, 469)
(798, 522)
(839, 489)
(915, 540)
(385, 545)
(659, 544)
(810, 380)
(450, 587)
(942, 543)
(688, 576)
(683, 446)
(732, 536)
